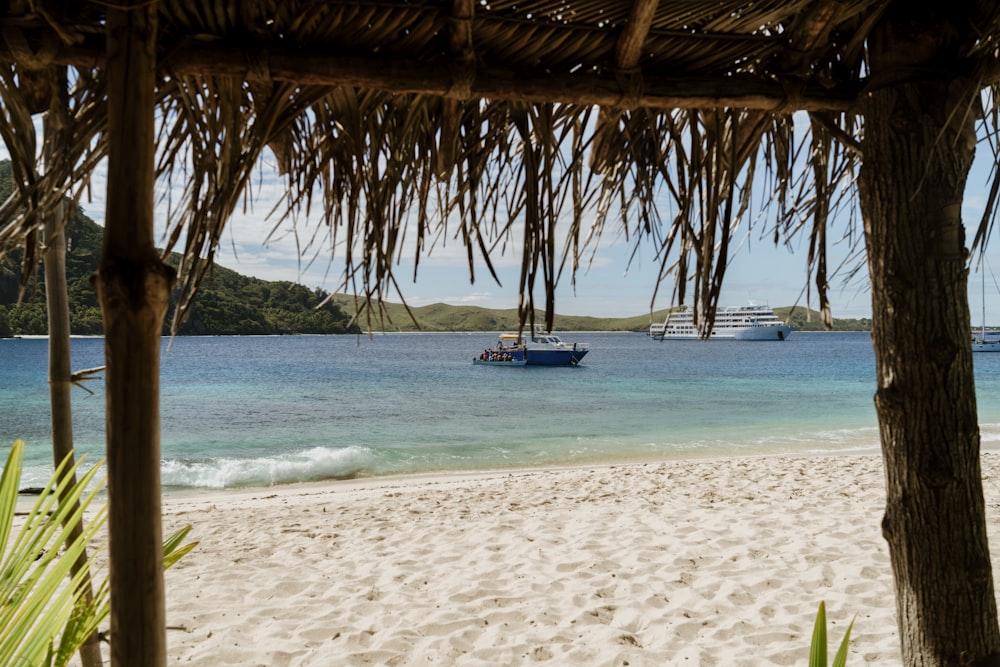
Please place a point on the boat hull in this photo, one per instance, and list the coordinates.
(766, 333)
(760, 333)
(512, 362)
(537, 357)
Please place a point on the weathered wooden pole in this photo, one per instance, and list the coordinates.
(919, 144)
(57, 308)
(60, 386)
(133, 289)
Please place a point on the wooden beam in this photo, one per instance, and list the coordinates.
(581, 87)
(628, 55)
(628, 50)
(460, 26)
(810, 31)
(812, 28)
(463, 68)
(584, 86)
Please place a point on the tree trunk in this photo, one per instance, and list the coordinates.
(133, 289)
(60, 358)
(60, 385)
(918, 147)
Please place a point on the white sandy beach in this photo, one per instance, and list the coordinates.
(703, 562)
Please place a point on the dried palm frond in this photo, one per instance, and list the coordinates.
(506, 127)
(705, 165)
(212, 136)
(77, 118)
(375, 165)
(990, 133)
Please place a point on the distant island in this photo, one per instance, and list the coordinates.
(443, 317)
(229, 303)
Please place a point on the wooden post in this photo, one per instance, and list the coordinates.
(918, 148)
(133, 289)
(60, 386)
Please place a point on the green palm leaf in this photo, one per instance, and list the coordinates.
(44, 616)
(38, 599)
(173, 551)
(817, 652)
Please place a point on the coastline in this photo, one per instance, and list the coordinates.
(692, 561)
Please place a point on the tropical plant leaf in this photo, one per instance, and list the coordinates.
(40, 598)
(817, 652)
(46, 616)
(840, 660)
(172, 549)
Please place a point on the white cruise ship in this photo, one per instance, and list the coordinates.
(750, 322)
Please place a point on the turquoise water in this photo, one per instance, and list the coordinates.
(253, 411)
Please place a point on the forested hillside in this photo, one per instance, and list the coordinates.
(227, 303)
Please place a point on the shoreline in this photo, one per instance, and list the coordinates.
(692, 561)
(460, 474)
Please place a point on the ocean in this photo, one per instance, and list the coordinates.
(262, 411)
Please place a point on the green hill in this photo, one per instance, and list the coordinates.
(229, 303)
(443, 317)
(810, 320)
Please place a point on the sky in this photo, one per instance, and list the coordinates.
(609, 287)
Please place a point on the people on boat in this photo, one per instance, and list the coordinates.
(496, 356)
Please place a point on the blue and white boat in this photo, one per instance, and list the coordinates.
(540, 349)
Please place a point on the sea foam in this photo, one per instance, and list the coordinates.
(313, 464)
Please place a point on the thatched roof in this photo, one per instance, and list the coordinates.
(398, 123)
(418, 120)
(797, 54)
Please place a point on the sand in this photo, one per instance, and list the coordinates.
(695, 562)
